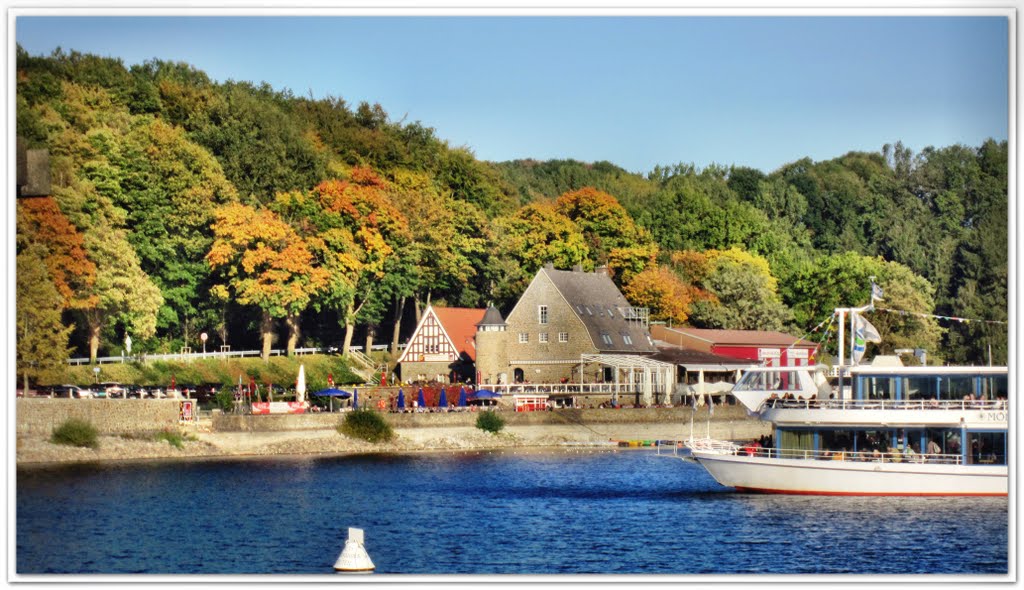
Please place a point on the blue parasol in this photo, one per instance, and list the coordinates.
(355, 399)
(419, 399)
(401, 399)
(332, 392)
(462, 397)
(486, 394)
(443, 402)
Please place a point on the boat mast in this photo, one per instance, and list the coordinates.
(842, 311)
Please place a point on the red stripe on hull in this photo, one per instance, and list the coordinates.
(810, 493)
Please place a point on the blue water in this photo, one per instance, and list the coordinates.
(625, 512)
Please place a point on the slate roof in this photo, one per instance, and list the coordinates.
(598, 303)
(492, 317)
(460, 325)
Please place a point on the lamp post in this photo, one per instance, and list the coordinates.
(203, 338)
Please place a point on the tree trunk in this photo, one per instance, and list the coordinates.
(399, 310)
(294, 330)
(349, 329)
(419, 310)
(267, 333)
(94, 340)
(222, 328)
(370, 329)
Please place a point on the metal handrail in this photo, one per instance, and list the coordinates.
(888, 404)
(862, 456)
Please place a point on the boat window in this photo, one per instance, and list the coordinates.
(876, 388)
(987, 448)
(792, 441)
(993, 387)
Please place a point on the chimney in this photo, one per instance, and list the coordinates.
(549, 266)
(577, 268)
(601, 270)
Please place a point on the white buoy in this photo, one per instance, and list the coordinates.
(353, 558)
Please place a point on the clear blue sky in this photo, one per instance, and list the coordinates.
(753, 91)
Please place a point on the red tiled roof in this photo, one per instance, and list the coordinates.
(460, 324)
(743, 337)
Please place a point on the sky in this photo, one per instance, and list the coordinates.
(637, 91)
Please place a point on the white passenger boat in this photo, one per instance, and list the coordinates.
(885, 430)
(914, 431)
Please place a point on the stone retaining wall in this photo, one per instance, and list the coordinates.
(109, 416)
(680, 415)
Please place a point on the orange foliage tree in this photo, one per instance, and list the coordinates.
(266, 263)
(663, 292)
(40, 221)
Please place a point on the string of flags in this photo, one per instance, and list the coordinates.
(939, 317)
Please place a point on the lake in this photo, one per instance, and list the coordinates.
(587, 512)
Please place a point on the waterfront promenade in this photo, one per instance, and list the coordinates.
(314, 434)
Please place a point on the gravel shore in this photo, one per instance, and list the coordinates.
(38, 451)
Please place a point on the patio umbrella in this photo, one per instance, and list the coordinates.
(401, 399)
(300, 385)
(419, 399)
(486, 394)
(333, 393)
(462, 397)
(355, 399)
(443, 402)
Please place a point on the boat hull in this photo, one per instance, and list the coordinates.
(852, 478)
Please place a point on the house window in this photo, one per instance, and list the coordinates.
(524, 338)
(563, 337)
(543, 338)
(542, 313)
(627, 339)
(606, 337)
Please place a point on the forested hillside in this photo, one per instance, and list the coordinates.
(181, 205)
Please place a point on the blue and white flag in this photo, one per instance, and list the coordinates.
(863, 333)
(876, 292)
(711, 405)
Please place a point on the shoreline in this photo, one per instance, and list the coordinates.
(36, 452)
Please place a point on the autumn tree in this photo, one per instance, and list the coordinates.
(532, 237)
(663, 292)
(612, 238)
(264, 262)
(361, 233)
(42, 338)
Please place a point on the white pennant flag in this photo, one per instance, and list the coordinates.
(863, 333)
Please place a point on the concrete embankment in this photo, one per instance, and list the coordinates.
(225, 435)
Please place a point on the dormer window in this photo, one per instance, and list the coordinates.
(627, 339)
(606, 338)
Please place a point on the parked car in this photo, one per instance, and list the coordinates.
(70, 391)
(112, 389)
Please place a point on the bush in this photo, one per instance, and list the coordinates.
(366, 425)
(490, 421)
(175, 439)
(77, 433)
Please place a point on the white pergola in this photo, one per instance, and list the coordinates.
(651, 375)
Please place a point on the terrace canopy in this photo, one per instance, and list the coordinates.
(649, 375)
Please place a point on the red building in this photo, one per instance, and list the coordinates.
(772, 348)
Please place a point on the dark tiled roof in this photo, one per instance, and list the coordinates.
(492, 317)
(599, 304)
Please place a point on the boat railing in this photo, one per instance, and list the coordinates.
(886, 404)
(891, 456)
